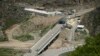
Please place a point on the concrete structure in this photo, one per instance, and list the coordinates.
(43, 12)
(46, 39)
(74, 27)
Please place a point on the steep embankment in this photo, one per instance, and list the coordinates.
(91, 48)
(92, 21)
(56, 3)
(12, 14)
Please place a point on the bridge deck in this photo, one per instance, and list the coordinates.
(46, 39)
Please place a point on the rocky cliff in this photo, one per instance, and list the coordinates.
(11, 14)
(92, 21)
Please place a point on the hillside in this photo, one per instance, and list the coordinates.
(91, 48)
(22, 29)
(92, 21)
(11, 14)
(10, 10)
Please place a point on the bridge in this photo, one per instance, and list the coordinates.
(51, 34)
(46, 39)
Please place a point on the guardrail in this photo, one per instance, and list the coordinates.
(48, 41)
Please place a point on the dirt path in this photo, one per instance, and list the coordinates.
(13, 43)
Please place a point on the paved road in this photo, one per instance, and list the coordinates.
(72, 30)
(46, 39)
(71, 36)
(57, 52)
(82, 12)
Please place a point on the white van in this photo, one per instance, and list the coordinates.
(80, 27)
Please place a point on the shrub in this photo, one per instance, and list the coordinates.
(9, 52)
(24, 37)
(92, 48)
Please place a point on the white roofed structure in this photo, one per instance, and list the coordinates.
(80, 26)
(42, 11)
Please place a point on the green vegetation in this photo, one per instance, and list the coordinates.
(2, 38)
(12, 14)
(24, 37)
(12, 21)
(9, 52)
(92, 22)
(91, 48)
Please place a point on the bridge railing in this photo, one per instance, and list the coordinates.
(48, 40)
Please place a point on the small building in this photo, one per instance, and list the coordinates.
(43, 12)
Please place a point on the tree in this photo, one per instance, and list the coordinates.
(92, 48)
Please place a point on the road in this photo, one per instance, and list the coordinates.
(74, 26)
(49, 36)
(81, 12)
(72, 30)
(46, 39)
(57, 52)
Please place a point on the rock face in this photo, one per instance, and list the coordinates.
(12, 14)
(92, 21)
(54, 3)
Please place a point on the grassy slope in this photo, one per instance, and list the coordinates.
(9, 52)
(24, 37)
